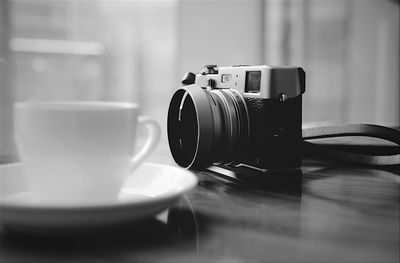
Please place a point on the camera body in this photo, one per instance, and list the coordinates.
(272, 102)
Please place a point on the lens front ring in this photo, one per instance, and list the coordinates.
(197, 155)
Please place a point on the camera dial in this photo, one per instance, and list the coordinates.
(210, 69)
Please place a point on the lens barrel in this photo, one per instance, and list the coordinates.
(206, 126)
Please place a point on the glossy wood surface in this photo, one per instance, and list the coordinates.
(335, 213)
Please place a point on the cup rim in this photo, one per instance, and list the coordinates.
(75, 105)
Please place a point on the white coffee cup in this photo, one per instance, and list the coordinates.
(80, 152)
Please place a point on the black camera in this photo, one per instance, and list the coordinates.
(239, 115)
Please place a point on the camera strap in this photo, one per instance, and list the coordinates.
(351, 151)
(333, 146)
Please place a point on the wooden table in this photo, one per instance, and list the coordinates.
(335, 213)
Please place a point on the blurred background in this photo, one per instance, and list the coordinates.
(137, 51)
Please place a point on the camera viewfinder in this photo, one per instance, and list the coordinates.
(253, 79)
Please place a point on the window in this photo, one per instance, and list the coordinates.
(139, 50)
(87, 50)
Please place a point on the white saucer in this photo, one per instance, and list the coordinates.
(151, 189)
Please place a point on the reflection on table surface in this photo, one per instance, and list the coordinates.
(336, 214)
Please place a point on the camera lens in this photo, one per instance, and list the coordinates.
(206, 126)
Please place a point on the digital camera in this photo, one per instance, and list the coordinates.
(248, 115)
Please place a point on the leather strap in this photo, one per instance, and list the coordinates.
(392, 157)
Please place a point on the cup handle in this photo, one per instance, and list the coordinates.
(153, 137)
